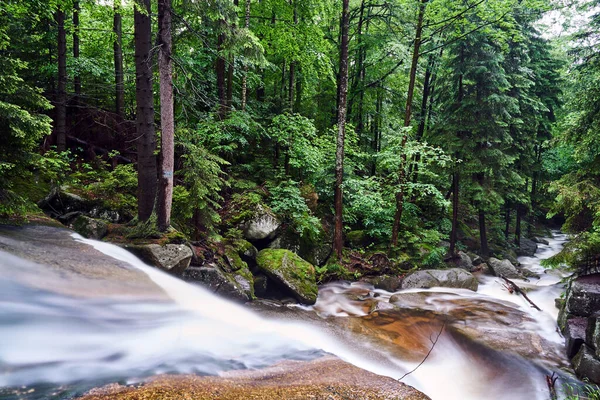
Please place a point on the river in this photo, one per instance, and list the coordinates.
(66, 329)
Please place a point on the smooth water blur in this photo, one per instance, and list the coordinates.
(48, 339)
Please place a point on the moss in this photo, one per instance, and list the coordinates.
(290, 270)
(233, 260)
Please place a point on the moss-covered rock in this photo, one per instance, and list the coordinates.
(89, 227)
(236, 285)
(357, 239)
(291, 271)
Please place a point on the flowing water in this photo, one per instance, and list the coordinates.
(56, 343)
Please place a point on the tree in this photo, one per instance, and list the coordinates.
(338, 240)
(61, 96)
(118, 58)
(167, 119)
(146, 141)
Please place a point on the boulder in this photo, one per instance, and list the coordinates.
(583, 297)
(389, 283)
(260, 285)
(174, 258)
(59, 202)
(314, 253)
(586, 365)
(452, 278)
(511, 256)
(593, 334)
(89, 227)
(290, 271)
(464, 261)
(575, 335)
(529, 273)
(108, 215)
(475, 259)
(540, 241)
(527, 247)
(504, 268)
(263, 225)
(236, 286)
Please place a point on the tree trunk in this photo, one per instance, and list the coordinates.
(483, 235)
(407, 118)
(230, 72)
(454, 231)
(167, 119)
(245, 77)
(146, 142)
(221, 79)
(61, 98)
(77, 79)
(118, 59)
(507, 220)
(338, 240)
(518, 226)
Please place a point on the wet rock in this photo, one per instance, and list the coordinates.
(475, 259)
(586, 365)
(174, 258)
(263, 225)
(235, 286)
(326, 378)
(540, 241)
(389, 283)
(314, 253)
(453, 278)
(583, 297)
(574, 333)
(68, 218)
(529, 273)
(463, 261)
(527, 247)
(60, 202)
(511, 256)
(593, 334)
(504, 268)
(290, 271)
(89, 227)
(260, 285)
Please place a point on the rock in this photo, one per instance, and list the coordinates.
(260, 285)
(314, 253)
(263, 225)
(236, 286)
(108, 215)
(475, 259)
(89, 227)
(357, 239)
(485, 269)
(289, 270)
(541, 241)
(68, 218)
(586, 365)
(60, 202)
(593, 334)
(326, 378)
(527, 247)
(174, 258)
(246, 250)
(453, 278)
(511, 256)
(389, 283)
(504, 268)
(464, 261)
(529, 273)
(583, 296)
(574, 333)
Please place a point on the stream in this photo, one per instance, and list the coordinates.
(65, 330)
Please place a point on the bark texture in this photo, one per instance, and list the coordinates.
(61, 98)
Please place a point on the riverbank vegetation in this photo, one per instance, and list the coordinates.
(410, 128)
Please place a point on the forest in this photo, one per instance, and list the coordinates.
(388, 125)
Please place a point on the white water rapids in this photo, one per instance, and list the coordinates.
(48, 339)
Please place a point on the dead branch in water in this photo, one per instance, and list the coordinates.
(433, 341)
(512, 287)
(551, 381)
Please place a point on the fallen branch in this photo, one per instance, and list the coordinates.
(512, 287)
(428, 353)
(551, 381)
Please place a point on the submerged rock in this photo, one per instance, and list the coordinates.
(290, 271)
(173, 258)
(504, 268)
(326, 378)
(452, 278)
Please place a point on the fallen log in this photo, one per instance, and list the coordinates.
(516, 288)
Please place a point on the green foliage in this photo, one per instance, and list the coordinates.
(286, 201)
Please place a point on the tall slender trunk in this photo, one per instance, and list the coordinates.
(61, 98)
(485, 252)
(407, 118)
(292, 77)
(118, 59)
(77, 79)
(245, 77)
(357, 84)
(338, 240)
(146, 142)
(507, 220)
(167, 119)
(455, 192)
(221, 72)
(376, 127)
(230, 71)
(518, 225)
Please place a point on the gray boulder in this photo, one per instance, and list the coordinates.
(583, 298)
(314, 253)
(586, 365)
(174, 258)
(464, 261)
(540, 241)
(89, 227)
(452, 278)
(527, 247)
(235, 286)
(264, 225)
(575, 335)
(593, 334)
(291, 272)
(389, 283)
(504, 268)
